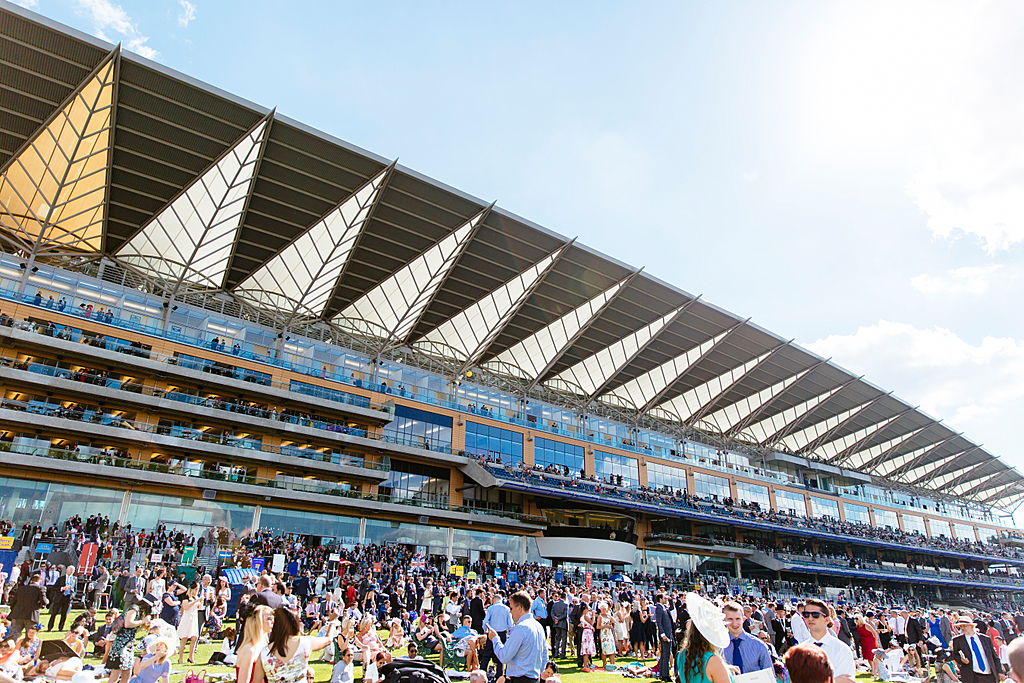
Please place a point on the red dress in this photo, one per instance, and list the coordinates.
(867, 642)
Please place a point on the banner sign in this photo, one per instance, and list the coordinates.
(87, 559)
(257, 564)
(44, 547)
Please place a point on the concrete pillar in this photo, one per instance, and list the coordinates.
(362, 529)
(771, 498)
(871, 516)
(810, 508)
(938, 592)
(911, 587)
(126, 501)
(528, 456)
(451, 541)
(736, 564)
(256, 517)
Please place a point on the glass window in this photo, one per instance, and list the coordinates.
(494, 443)
(382, 531)
(912, 523)
(486, 541)
(824, 507)
(610, 467)
(38, 502)
(886, 518)
(964, 532)
(856, 513)
(547, 452)
(790, 502)
(408, 481)
(753, 493)
(146, 511)
(660, 476)
(421, 428)
(710, 486)
(344, 529)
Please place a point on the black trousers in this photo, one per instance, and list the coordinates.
(486, 654)
(60, 607)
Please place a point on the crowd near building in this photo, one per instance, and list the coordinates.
(231, 342)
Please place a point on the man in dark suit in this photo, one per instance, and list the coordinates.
(301, 586)
(27, 603)
(63, 593)
(476, 610)
(575, 614)
(559, 615)
(844, 628)
(915, 629)
(975, 656)
(1018, 621)
(663, 620)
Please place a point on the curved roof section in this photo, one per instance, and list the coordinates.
(531, 308)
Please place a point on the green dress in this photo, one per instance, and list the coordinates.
(703, 678)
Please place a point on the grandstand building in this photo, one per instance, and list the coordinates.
(217, 316)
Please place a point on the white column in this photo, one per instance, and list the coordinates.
(256, 517)
(362, 529)
(126, 500)
(451, 542)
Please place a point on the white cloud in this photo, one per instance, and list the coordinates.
(753, 175)
(27, 4)
(188, 13)
(975, 388)
(967, 280)
(108, 17)
(928, 89)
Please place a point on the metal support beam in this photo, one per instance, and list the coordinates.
(791, 426)
(752, 417)
(923, 456)
(713, 401)
(626, 282)
(481, 350)
(856, 447)
(600, 389)
(668, 387)
(939, 471)
(827, 436)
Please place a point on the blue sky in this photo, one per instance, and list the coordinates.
(849, 174)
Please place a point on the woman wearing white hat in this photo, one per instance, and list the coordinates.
(700, 660)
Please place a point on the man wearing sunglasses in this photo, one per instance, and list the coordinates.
(811, 625)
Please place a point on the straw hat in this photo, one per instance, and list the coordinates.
(708, 619)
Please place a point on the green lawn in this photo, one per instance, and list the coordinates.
(568, 670)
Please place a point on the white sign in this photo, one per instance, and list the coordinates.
(334, 557)
(278, 564)
(156, 557)
(762, 676)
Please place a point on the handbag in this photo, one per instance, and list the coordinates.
(191, 677)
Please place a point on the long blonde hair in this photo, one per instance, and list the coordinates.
(253, 634)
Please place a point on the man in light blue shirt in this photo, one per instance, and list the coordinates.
(525, 652)
(497, 618)
(539, 609)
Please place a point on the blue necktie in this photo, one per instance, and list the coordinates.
(737, 657)
(978, 657)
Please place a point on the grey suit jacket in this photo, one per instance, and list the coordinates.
(559, 614)
(946, 629)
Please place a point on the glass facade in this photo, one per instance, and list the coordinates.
(856, 513)
(344, 529)
(547, 452)
(964, 532)
(420, 427)
(709, 486)
(912, 523)
(791, 502)
(753, 493)
(659, 476)
(416, 482)
(483, 541)
(824, 507)
(39, 502)
(146, 511)
(610, 467)
(382, 531)
(886, 518)
(494, 443)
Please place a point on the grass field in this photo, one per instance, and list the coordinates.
(567, 668)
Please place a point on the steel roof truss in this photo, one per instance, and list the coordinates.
(753, 415)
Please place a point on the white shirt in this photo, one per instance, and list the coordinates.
(980, 667)
(839, 654)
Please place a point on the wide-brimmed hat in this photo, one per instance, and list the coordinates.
(708, 618)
